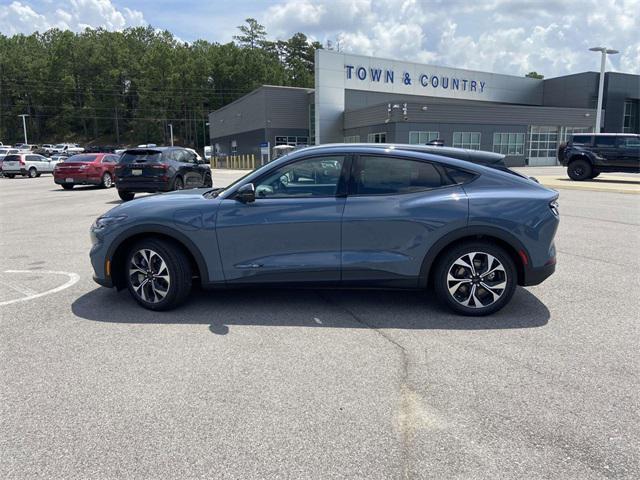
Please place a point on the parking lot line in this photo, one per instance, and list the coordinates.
(73, 278)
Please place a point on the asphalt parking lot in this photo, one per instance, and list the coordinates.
(314, 383)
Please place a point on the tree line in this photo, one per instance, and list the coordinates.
(126, 87)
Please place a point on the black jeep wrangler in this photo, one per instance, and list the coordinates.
(587, 155)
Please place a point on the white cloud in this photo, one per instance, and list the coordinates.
(18, 17)
(508, 36)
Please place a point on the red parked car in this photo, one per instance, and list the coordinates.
(86, 169)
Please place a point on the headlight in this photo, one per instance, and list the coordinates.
(555, 208)
(103, 222)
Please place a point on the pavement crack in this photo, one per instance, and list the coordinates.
(409, 403)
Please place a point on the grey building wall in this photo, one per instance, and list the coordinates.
(618, 87)
(577, 91)
(249, 142)
(268, 107)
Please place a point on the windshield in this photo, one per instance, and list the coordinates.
(141, 156)
(4, 151)
(59, 145)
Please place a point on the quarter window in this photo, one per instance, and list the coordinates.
(422, 138)
(469, 140)
(508, 143)
(389, 175)
(311, 177)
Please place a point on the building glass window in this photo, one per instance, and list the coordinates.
(543, 142)
(469, 140)
(567, 132)
(380, 137)
(630, 119)
(352, 139)
(292, 141)
(421, 138)
(509, 143)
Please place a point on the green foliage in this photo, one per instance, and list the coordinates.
(126, 87)
(534, 75)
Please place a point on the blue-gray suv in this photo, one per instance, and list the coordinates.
(383, 216)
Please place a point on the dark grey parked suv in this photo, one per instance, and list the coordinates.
(342, 215)
(160, 169)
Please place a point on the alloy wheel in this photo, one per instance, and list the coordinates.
(476, 280)
(149, 275)
(106, 180)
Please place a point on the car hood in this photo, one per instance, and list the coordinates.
(151, 205)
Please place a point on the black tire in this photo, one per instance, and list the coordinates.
(32, 173)
(594, 174)
(107, 180)
(67, 187)
(470, 283)
(10, 175)
(178, 184)
(38, 174)
(126, 196)
(579, 169)
(208, 181)
(178, 270)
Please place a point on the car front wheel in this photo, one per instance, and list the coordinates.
(158, 274)
(579, 170)
(475, 279)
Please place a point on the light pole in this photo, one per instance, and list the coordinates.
(171, 132)
(604, 51)
(24, 125)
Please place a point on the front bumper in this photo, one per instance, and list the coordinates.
(105, 282)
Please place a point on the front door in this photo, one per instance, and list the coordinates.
(291, 233)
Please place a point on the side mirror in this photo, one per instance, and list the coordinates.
(246, 193)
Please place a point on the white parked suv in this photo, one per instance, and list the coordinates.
(69, 148)
(27, 164)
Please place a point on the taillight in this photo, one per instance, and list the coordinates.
(22, 161)
(161, 166)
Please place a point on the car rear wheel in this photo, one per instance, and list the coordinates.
(475, 278)
(126, 196)
(178, 184)
(33, 173)
(579, 169)
(158, 274)
(9, 175)
(67, 187)
(107, 181)
(208, 181)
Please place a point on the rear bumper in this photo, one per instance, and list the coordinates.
(535, 276)
(142, 187)
(77, 180)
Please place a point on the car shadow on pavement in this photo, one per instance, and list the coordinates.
(222, 309)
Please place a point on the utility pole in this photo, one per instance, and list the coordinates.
(24, 125)
(604, 51)
(171, 132)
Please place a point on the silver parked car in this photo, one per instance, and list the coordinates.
(27, 164)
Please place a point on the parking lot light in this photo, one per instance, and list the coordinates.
(604, 51)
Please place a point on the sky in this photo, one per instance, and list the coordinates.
(551, 37)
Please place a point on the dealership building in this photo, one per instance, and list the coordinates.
(367, 99)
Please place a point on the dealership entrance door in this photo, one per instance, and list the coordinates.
(543, 146)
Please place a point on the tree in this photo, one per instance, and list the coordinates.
(252, 34)
(534, 74)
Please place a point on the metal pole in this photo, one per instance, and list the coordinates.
(171, 131)
(24, 126)
(600, 91)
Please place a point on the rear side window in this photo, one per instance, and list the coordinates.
(459, 176)
(142, 156)
(605, 141)
(110, 159)
(581, 140)
(391, 175)
(630, 142)
(81, 158)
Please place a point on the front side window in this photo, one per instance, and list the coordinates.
(605, 141)
(308, 178)
(375, 175)
(468, 140)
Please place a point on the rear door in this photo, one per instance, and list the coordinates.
(605, 148)
(396, 209)
(109, 162)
